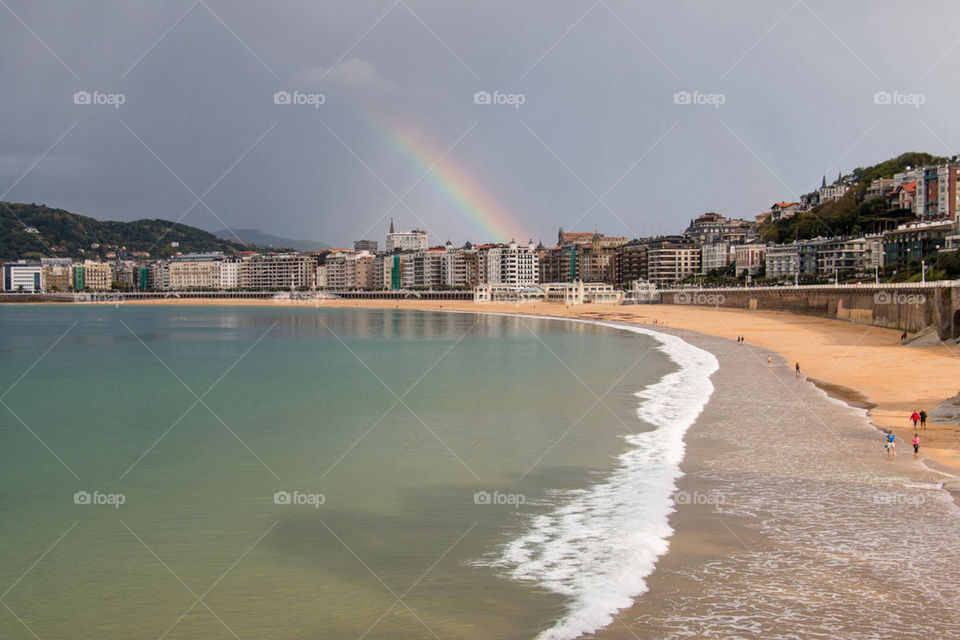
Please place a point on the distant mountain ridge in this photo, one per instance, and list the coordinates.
(265, 240)
(35, 231)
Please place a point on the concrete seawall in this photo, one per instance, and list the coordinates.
(908, 307)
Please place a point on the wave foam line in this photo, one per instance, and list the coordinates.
(599, 547)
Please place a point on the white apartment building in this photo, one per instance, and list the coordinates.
(782, 261)
(195, 271)
(716, 256)
(230, 273)
(670, 262)
(346, 270)
(510, 264)
(415, 240)
(22, 276)
(833, 192)
(278, 271)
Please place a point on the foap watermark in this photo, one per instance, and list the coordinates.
(898, 98)
(696, 97)
(514, 100)
(892, 297)
(299, 297)
(299, 98)
(498, 498)
(899, 499)
(98, 297)
(299, 498)
(114, 500)
(99, 98)
(693, 297)
(698, 497)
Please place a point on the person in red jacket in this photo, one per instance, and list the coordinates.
(916, 418)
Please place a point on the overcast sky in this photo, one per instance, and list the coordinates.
(788, 92)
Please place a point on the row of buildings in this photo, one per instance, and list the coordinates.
(710, 243)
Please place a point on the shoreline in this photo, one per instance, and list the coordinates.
(864, 366)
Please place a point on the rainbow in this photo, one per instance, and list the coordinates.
(455, 181)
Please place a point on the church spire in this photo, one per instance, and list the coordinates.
(823, 185)
(391, 224)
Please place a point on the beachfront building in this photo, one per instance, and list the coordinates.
(580, 292)
(782, 261)
(23, 276)
(195, 271)
(415, 240)
(567, 293)
(671, 259)
(917, 241)
(591, 257)
(749, 259)
(343, 270)
(632, 263)
(508, 264)
(278, 271)
(92, 276)
(57, 274)
(716, 256)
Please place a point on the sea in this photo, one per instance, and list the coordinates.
(298, 472)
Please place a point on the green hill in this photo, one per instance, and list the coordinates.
(852, 214)
(64, 234)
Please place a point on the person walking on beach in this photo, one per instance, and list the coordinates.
(923, 418)
(769, 361)
(891, 444)
(798, 369)
(916, 418)
(916, 444)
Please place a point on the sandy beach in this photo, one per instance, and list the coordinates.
(863, 365)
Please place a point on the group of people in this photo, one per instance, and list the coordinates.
(890, 444)
(741, 339)
(919, 417)
(890, 440)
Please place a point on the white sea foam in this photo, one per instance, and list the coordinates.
(598, 548)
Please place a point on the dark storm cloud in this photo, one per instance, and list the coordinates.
(634, 117)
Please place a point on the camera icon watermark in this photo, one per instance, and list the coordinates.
(497, 498)
(298, 98)
(693, 297)
(115, 500)
(900, 499)
(914, 100)
(698, 98)
(893, 297)
(98, 297)
(298, 498)
(114, 100)
(699, 497)
(514, 100)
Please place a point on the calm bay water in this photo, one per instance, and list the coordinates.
(432, 440)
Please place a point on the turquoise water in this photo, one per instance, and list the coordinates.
(197, 416)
